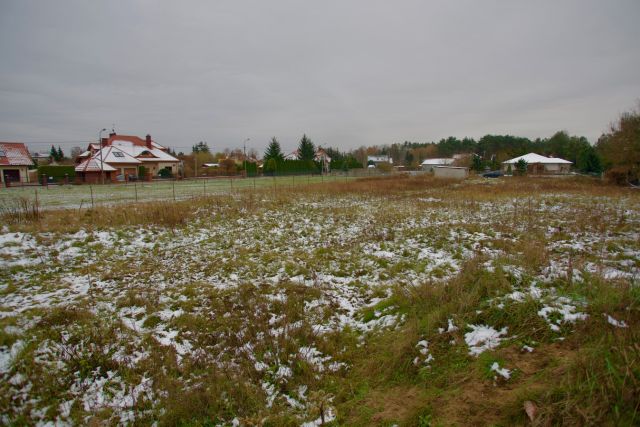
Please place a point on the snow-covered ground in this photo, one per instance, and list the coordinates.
(95, 312)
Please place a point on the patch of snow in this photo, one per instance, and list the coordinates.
(503, 372)
(482, 338)
(614, 322)
(329, 416)
(567, 314)
(8, 355)
(426, 358)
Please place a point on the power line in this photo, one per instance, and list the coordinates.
(55, 142)
(66, 143)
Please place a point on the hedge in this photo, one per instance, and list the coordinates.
(293, 167)
(57, 172)
(252, 168)
(345, 164)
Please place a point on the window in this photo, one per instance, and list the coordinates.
(2, 152)
(118, 154)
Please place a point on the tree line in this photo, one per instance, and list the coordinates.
(617, 152)
(491, 150)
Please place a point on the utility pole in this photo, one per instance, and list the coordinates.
(101, 163)
(244, 146)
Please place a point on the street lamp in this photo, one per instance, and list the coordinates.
(101, 164)
(244, 146)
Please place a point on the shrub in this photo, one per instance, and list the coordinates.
(618, 175)
(385, 167)
(165, 173)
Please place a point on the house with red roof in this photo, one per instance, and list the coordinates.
(14, 162)
(119, 157)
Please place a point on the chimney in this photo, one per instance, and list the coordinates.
(105, 142)
(148, 141)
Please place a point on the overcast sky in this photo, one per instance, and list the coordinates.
(346, 73)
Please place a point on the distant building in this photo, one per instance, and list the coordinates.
(121, 156)
(14, 162)
(41, 158)
(429, 164)
(537, 164)
(376, 160)
(320, 156)
(450, 172)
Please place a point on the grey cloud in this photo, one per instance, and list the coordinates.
(346, 73)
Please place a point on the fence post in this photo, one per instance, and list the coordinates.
(231, 182)
(174, 190)
(36, 191)
(204, 186)
(254, 183)
(91, 189)
(135, 189)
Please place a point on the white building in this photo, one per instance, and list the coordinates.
(376, 160)
(537, 164)
(429, 164)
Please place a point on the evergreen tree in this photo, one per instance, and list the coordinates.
(408, 158)
(60, 154)
(200, 147)
(306, 149)
(273, 151)
(53, 153)
(588, 161)
(521, 167)
(270, 166)
(477, 163)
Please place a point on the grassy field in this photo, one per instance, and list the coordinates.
(77, 196)
(384, 301)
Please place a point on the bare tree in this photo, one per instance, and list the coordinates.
(75, 152)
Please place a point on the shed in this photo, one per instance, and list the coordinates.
(451, 172)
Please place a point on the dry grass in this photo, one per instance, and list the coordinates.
(19, 211)
(591, 377)
(27, 216)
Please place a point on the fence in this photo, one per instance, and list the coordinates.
(86, 196)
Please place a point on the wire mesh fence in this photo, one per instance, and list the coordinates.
(90, 195)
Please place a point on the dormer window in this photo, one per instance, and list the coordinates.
(2, 152)
(118, 154)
